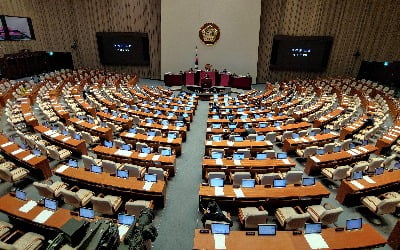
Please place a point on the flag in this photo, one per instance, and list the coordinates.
(196, 61)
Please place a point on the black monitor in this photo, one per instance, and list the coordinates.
(238, 156)
(77, 136)
(313, 228)
(379, 171)
(96, 169)
(126, 147)
(266, 229)
(20, 194)
(279, 183)
(321, 151)
(308, 181)
(216, 182)
(337, 149)
(50, 204)
(86, 213)
(220, 228)
(126, 219)
(216, 155)
(150, 177)
(357, 175)
(353, 224)
(248, 183)
(108, 144)
(261, 156)
(72, 163)
(122, 173)
(260, 138)
(145, 150)
(281, 155)
(166, 152)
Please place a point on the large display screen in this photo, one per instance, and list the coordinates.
(16, 28)
(123, 48)
(301, 53)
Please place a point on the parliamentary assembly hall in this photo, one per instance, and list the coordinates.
(188, 124)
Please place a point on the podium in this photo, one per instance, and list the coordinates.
(206, 83)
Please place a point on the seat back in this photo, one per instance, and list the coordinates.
(245, 151)
(268, 179)
(158, 171)
(310, 151)
(102, 205)
(140, 145)
(135, 207)
(71, 198)
(212, 175)
(340, 173)
(328, 148)
(287, 135)
(270, 153)
(239, 176)
(271, 136)
(109, 166)
(330, 216)
(375, 163)
(252, 137)
(88, 161)
(54, 154)
(296, 221)
(294, 177)
(44, 189)
(134, 170)
(29, 240)
(253, 217)
(387, 206)
(346, 144)
(86, 137)
(5, 175)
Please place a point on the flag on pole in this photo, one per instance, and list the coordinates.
(196, 61)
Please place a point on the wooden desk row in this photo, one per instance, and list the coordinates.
(388, 139)
(231, 146)
(315, 163)
(322, 121)
(305, 112)
(249, 120)
(84, 105)
(367, 237)
(290, 145)
(165, 129)
(67, 142)
(93, 129)
(25, 158)
(352, 128)
(59, 109)
(125, 123)
(27, 112)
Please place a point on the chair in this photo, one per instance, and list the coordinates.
(337, 173)
(315, 130)
(380, 204)
(285, 135)
(51, 191)
(293, 177)
(89, 139)
(251, 137)
(5, 229)
(135, 207)
(374, 163)
(388, 161)
(88, 161)
(357, 167)
(13, 175)
(271, 136)
(134, 170)
(108, 204)
(309, 151)
(78, 198)
(346, 144)
(328, 148)
(110, 166)
(271, 154)
(250, 217)
(212, 175)
(237, 177)
(58, 153)
(161, 174)
(118, 143)
(267, 179)
(290, 219)
(140, 145)
(140, 131)
(28, 241)
(326, 214)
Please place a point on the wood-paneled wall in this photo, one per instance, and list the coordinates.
(370, 26)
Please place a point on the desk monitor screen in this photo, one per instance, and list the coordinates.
(72, 163)
(164, 122)
(257, 116)
(266, 229)
(171, 114)
(216, 155)
(308, 181)
(175, 107)
(352, 145)
(354, 224)
(54, 127)
(23, 146)
(248, 183)
(171, 135)
(261, 156)
(86, 213)
(215, 117)
(238, 138)
(146, 150)
(238, 156)
(313, 228)
(96, 169)
(65, 132)
(105, 111)
(20, 194)
(185, 115)
(216, 125)
(321, 151)
(126, 219)
(166, 152)
(397, 166)
(90, 120)
(132, 130)
(229, 117)
(187, 108)
(150, 177)
(136, 108)
(277, 124)
(126, 147)
(103, 125)
(77, 136)
(262, 125)
(280, 113)
(357, 175)
(125, 116)
(216, 182)
(151, 133)
(269, 115)
(179, 124)
(337, 149)
(220, 228)
(50, 204)
(232, 126)
(114, 113)
(312, 133)
(365, 142)
(122, 173)
(127, 106)
(239, 109)
(279, 183)
(260, 138)
(217, 138)
(295, 136)
(158, 112)
(149, 120)
(108, 144)
(144, 102)
(281, 155)
(36, 152)
(379, 171)
(243, 117)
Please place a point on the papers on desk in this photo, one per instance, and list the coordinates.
(27, 206)
(357, 184)
(286, 161)
(49, 132)
(208, 129)
(142, 155)
(125, 153)
(43, 216)
(296, 139)
(62, 168)
(352, 127)
(219, 191)
(237, 162)
(17, 151)
(150, 138)
(147, 185)
(148, 124)
(387, 138)
(356, 151)
(122, 229)
(7, 144)
(170, 140)
(209, 143)
(315, 159)
(28, 157)
(219, 162)
(312, 138)
(96, 127)
(230, 143)
(155, 157)
(351, 152)
(238, 192)
(80, 121)
(164, 127)
(316, 241)
(268, 143)
(219, 241)
(304, 139)
(368, 179)
(278, 127)
(66, 139)
(132, 135)
(363, 149)
(113, 117)
(54, 135)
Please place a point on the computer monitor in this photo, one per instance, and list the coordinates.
(216, 155)
(146, 150)
(308, 181)
(170, 114)
(103, 125)
(248, 183)
(357, 175)
(238, 138)
(352, 145)
(337, 149)
(77, 136)
(243, 117)
(261, 156)
(217, 138)
(313, 228)
(132, 130)
(277, 124)
(282, 155)
(126, 147)
(96, 169)
(262, 125)
(269, 115)
(165, 122)
(114, 113)
(171, 135)
(36, 152)
(54, 127)
(239, 109)
(50, 204)
(127, 106)
(185, 115)
(216, 182)
(187, 108)
(150, 177)
(215, 117)
(231, 126)
(321, 151)
(72, 163)
(126, 219)
(90, 120)
(220, 228)
(396, 166)
(257, 116)
(158, 112)
(179, 124)
(166, 152)
(20, 194)
(125, 116)
(216, 125)
(295, 136)
(86, 213)
(260, 138)
(379, 171)
(364, 142)
(312, 133)
(65, 132)
(149, 120)
(151, 133)
(353, 224)
(280, 113)
(238, 156)
(229, 117)
(108, 144)
(266, 229)
(279, 183)
(105, 111)
(122, 173)
(23, 146)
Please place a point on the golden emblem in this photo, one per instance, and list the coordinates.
(209, 33)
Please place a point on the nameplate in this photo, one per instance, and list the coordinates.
(62, 168)
(27, 114)
(219, 191)
(43, 216)
(208, 143)
(113, 117)
(312, 138)
(17, 151)
(219, 162)
(27, 158)
(27, 206)
(7, 144)
(238, 192)
(357, 184)
(66, 139)
(315, 159)
(368, 179)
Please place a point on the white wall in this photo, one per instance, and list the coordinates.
(237, 48)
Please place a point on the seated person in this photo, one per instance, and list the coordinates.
(182, 118)
(214, 212)
(369, 122)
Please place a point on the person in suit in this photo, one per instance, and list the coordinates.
(214, 212)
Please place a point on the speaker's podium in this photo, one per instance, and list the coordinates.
(206, 83)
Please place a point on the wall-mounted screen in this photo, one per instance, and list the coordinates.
(123, 48)
(300, 53)
(16, 28)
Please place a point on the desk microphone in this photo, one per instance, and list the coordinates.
(297, 232)
(339, 229)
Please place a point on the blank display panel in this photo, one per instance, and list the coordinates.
(301, 53)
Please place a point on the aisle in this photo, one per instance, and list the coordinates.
(178, 218)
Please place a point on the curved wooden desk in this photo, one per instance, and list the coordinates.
(290, 145)
(93, 129)
(231, 146)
